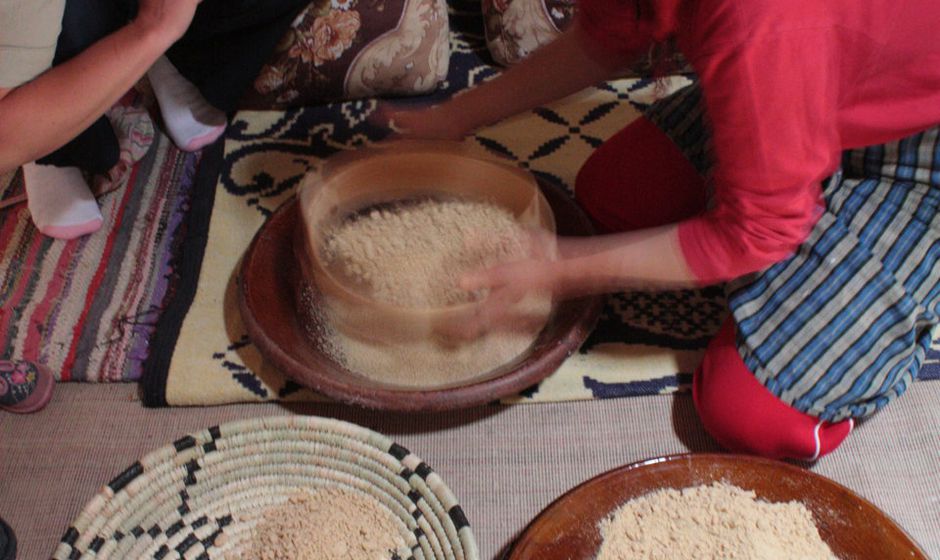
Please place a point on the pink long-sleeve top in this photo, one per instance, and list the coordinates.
(788, 85)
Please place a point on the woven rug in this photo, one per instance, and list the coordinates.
(645, 343)
(86, 308)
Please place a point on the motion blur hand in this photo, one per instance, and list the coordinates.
(436, 122)
(512, 291)
(168, 19)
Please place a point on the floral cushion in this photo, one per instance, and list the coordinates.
(514, 28)
(347, 49)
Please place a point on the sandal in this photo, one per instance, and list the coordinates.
(24, 387)
(7, 542)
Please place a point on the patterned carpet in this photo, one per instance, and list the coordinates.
(86, 308)
(644, 343)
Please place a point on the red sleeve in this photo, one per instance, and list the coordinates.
(619, 28)
(771, 104)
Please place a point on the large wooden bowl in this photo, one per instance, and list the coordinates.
(270, 275)
(852, 527)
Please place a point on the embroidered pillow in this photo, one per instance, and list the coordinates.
(348, 49)
(515, 28)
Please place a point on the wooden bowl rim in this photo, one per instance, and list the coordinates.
(714, 458)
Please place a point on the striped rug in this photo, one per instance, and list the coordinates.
(86, 308)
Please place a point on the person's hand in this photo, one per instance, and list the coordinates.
(425, 123)
(512, 291)
(168, 19)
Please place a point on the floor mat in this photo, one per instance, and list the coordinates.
(86, 308)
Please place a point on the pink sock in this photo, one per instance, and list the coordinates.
(190, 120)
(60, 201)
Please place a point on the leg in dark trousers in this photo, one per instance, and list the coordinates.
(221, 54)
(84, 23)
(227, 44)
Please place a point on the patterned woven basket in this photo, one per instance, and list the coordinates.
(196, 498)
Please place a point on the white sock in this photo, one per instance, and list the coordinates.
(190, 121)
(60, 201)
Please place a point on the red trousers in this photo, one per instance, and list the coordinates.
(640, 179)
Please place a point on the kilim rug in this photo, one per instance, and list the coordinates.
(644, 343)
(86, 308)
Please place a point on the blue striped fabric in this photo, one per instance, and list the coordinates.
(843, 326)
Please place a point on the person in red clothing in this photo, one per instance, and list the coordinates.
(801, 169)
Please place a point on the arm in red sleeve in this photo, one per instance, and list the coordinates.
(772, 104)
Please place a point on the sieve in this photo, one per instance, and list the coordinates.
(354, 182)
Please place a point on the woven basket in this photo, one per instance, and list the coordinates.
(196, 498)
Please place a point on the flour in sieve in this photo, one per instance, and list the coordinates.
(413, 255)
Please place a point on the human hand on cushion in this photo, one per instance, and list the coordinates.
(568, 64)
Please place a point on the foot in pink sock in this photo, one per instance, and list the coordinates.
(201, 142)
(190, 120)
(60, 201)
(74, 231)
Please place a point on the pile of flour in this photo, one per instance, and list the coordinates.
(413, 255)
(327, 524)
(717, 521)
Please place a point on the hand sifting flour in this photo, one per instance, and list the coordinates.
(710, 522)
(413, 255)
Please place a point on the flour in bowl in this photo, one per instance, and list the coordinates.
(413, 255)
(710, 522)
(326, 524)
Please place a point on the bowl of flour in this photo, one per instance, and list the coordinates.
(387, 235)
(712, 506)
(388, 232)
(352, 287)
(274, 488)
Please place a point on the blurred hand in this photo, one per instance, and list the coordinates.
(169, 19)
(426, 123)
(507, 285)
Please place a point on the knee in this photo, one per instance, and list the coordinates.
(743, 416)
(596, 188)
(638, 179)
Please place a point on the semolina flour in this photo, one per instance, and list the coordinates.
(326, 524)
(413, 255)
(710, 522)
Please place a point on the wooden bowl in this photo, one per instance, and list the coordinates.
(385, 175)
(270, 274)
(852, 527)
